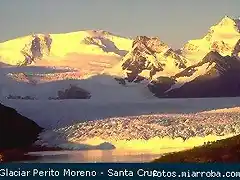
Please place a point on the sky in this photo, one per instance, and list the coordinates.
(174, 21)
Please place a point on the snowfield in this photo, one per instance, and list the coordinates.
(116, 116)
(60, 113)
(65, 44)
(130, 125)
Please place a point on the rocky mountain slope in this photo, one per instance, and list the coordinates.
(214, 76)
(210, 63)
(16, 131)
(150, 57)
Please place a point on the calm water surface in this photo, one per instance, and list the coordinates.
(91, 156)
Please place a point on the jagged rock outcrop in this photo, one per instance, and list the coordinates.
(236, 50)
(16, 131)
(74, 92)
(238, 24)
(20, 97)
(37, 48)
(214, 76)
(220, 46)
(159, 86)
(151, 55)
(105, 44)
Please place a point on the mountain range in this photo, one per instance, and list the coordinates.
(206, 67)
(121, 80)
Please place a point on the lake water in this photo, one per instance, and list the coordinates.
(91, 156)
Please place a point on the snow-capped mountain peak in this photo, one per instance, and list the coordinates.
(221, 37)
(226, 21)
(16, 51)
(225, 26)
(150, 57)
(153, 44)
